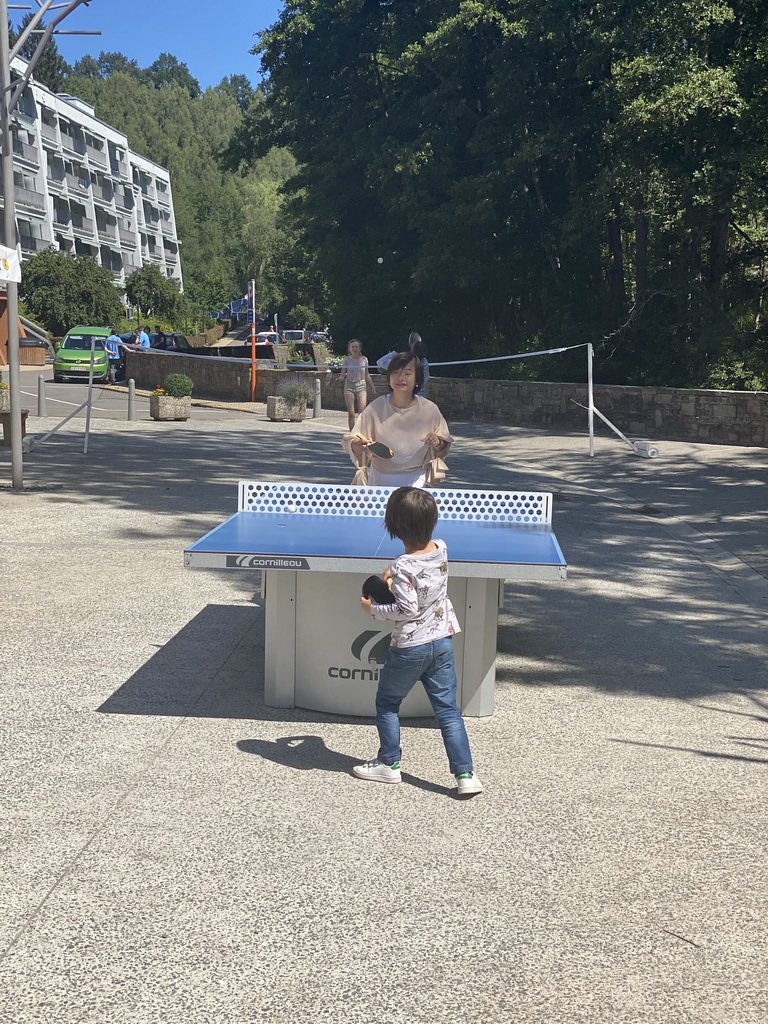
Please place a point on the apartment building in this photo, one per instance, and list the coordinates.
(81, 189)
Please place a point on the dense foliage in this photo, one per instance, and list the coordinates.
(154, 294)
(501, 175)
(61, 289)
(510, 175)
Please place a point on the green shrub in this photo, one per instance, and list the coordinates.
(178, 385)
(297, 393)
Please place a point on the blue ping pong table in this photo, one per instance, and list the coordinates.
(314, 545)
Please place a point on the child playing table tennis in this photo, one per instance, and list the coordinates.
(421, 647)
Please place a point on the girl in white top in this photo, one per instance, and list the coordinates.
(355, 380)
(413, 427)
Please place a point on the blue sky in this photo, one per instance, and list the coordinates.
(212, 37)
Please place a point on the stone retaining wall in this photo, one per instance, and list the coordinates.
(713, 417)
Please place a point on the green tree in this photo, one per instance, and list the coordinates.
(61, 290)
(237, 88)
(511, 177)
(167, 72)
(51, 68)
(153, 293)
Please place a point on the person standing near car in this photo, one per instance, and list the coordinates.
(114, 348)
(160, 340)
(140, 337)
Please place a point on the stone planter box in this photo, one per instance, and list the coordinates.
(166, 407)
(278, 409)
(5, 399)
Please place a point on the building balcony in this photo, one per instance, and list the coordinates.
(98, 156)
(119, 170)
(127, 237)
(25, 109)
(163, 198)
(103, 194)
(72, 145)
(79, 184)
(30, 244)
(85, 249)
(48, 131)
(82, 225)
(28, 197)
(106, 233)
(26, 152)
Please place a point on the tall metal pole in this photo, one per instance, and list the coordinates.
(9, 234)
(591, 405)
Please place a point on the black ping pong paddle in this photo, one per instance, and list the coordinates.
(378, 448)
(378, 591)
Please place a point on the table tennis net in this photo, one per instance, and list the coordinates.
(534, 508)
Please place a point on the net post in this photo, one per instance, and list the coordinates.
(591, 401)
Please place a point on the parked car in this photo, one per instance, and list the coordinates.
(173, 342)
(294, 337)
(73, 357)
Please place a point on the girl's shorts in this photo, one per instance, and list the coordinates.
(358, 387)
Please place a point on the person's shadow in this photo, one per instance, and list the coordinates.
(309, 753)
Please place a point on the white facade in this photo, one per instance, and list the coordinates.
(81, 189)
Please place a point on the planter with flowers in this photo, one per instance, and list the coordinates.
(292, 400)
(172, 401)
(5, 395)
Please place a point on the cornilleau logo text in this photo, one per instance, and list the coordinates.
(370, 646)
(265, 562)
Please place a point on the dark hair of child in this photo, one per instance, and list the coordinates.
(411, 516)
(400, 361)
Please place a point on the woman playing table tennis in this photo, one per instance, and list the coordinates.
(411, 426)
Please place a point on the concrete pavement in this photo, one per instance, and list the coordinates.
(178, 852)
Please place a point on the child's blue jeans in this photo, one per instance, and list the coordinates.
(434, 665)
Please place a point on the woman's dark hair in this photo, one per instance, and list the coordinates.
(411, 516)
(400, 361)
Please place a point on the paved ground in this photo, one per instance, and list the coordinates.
(178, 852)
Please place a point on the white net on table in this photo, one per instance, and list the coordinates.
(345, 500)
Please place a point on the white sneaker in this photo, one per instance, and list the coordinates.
(377, 771)
(468, 784)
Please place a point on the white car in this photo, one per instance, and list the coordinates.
(292, 337)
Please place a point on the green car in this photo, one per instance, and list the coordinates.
(73, 358)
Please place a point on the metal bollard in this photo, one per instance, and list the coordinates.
(41, 396)
(316, 409)
(132, 399)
